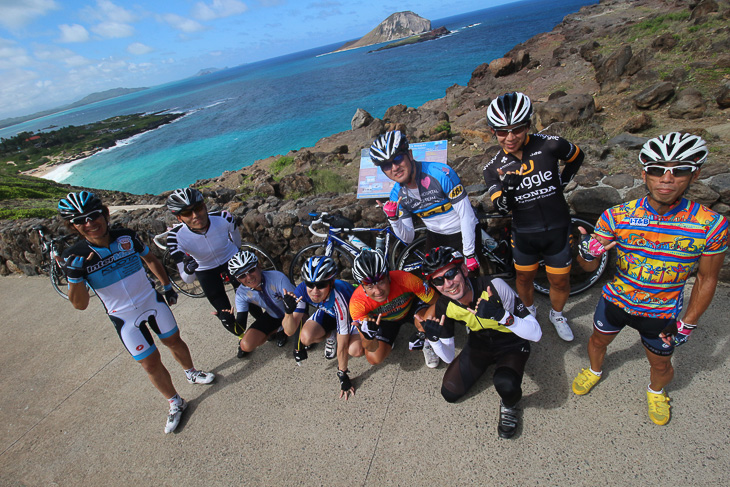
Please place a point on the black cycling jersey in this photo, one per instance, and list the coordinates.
(539, 202)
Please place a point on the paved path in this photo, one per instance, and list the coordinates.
(78, 411)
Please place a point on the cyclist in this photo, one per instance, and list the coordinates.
(109, 261)
(330, 297)
(203, 243)
(660, 239)
(500, 327)
(524, 177)
(383, 302)
(262, 293)
(429, 190)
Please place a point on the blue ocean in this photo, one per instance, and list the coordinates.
(238, 115)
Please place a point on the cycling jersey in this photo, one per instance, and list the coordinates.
(440, 200)
(116, 273)
(270, 298)
(657, 253)
(405, 290)
(211, 249)
(336, 304)
(539, 201)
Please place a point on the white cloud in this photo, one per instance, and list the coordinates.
(12, 56)
(73, 33)
(138, 48)
(218, 9)
(18, 13)
(57, 55)
(106, 11)
(182, 24)
(113, 30)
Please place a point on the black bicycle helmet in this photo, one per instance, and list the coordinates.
(509, 109)
(438, 258)
(319, 269)
(241, 262)
(369, 266)
(77, 204)
(183, 199)
(674, 147)
(387, 146)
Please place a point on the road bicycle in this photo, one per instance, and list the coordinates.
(52, 263)
(188, 284)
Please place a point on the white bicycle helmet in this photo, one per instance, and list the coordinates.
(183, 199)
(369, 267)
(241, 262)
(674, 147)
(509, 109)
(387, 146)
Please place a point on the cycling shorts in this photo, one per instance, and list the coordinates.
(610, 319)
(388, 331)
(328, 323)
(266, 323)
(132, 326)
(551, 246)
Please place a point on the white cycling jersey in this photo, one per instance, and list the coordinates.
(211, 249)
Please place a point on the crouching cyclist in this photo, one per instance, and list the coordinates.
(500, 331)
(261, 294)
(383, 302)
(330, 297)
(110, 262)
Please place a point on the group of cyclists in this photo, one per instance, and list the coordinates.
(659, 240)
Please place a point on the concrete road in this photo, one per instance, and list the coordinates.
(77, 410)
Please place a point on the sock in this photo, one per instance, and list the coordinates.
(654, 392)
(594, 372)
(532, 309)
(555, 313)
(176, 399)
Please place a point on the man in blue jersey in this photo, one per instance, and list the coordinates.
(110, 262)
(429, 190)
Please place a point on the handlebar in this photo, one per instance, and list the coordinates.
(330, 221)
(161, 240)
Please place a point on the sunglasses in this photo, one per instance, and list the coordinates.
(387, 166)
(318, 285)
(89, 217)
(518, 130)
(197, 207)
(677, 171)
(247, 273)
(448, 275)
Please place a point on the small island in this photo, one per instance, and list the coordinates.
(427, 36)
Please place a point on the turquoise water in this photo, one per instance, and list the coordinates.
(250, 112)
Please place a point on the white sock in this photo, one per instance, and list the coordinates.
(176, 399)
(555, 313)
(532, 309)
(594, 372)
(654, 392)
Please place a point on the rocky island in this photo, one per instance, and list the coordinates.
(396, 26)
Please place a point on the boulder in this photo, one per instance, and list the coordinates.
(619, 181)
(502, 67)
(569, 108)
(588, 52)
(588, 177)
(703, 8)
(689, 104)
(652, 97)
(721, 185)
(638, 123)
(723, 96)
(702, 193)
(361, 119)
(630, 142)
(521, 59)
(295, 184)
(594, 201)
(665, 42)
(638, 61)
(479, 74)
(612, 68)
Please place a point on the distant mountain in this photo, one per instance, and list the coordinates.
(92, 98)
(205, 71)
(397, 26)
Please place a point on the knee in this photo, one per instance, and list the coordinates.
(508, 384)
(450, 396)
(663, 368)
(356, 350)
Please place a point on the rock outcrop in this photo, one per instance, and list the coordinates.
(396, 26)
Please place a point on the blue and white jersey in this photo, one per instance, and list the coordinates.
(337, 304)
(270, 298)
(116, 273)
(211, 249)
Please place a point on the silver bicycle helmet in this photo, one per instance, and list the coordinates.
(674, 147)
(387, 146)
(319, 269)
(369, 267)
(183, 199)
(509, 109)
(241, 262)
(77, 204)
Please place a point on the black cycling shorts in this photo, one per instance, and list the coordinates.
(609, 319)
(551, 246)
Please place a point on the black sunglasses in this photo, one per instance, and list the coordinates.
(518, 130)
(318, 285)
(450, 275)
(677, 171)
(197, 207)
(243, 274)
(89, 217)
(387, 166)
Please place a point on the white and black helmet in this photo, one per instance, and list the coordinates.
(319, 269)
(387, 146)
(77, 204)
(369, 267)
(242, 262)
(674, 147)
(509, 109)
(183, 199)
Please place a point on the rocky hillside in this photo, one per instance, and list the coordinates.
(396, 26)
(608, 77)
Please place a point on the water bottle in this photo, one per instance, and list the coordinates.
(380, 243)
(488, 242)
(356, 242)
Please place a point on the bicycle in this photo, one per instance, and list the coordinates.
(52, 263)
(188, 284)
(497, 253)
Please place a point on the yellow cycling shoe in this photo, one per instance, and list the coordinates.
(585, 382)
(658, 407)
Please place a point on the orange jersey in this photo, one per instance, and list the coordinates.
(405, 289)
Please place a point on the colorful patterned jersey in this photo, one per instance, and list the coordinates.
(657, 253)
(405, 289)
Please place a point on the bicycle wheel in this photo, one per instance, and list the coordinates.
(580, 280)
(342, 258)
(411, 258)
(265, 261)
(191, 289)
(58, 280)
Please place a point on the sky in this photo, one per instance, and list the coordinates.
(54, 52)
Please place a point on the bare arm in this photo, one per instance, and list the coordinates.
(78, 295)
(157, 268)
(704, 288)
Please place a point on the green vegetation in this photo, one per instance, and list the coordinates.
(280, 164)
(26, 196)
(657, 25)
(444, 126)
(328, 181)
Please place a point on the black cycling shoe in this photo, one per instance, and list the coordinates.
(509, 420)
(281, 338)
(240, 353)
